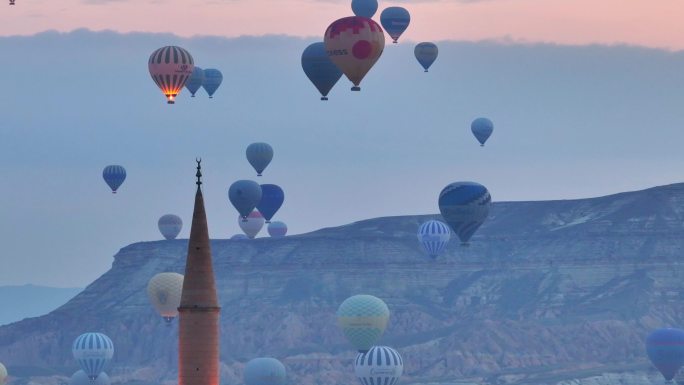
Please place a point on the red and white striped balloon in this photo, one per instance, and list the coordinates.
(170, 67)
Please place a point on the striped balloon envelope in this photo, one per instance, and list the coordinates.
(171, 67)
(465, 207)
(93, 351)
(363, 319)
(381, 365)
(114, 176)
(434, 237)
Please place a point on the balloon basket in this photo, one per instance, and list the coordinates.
(426, 70)
(356, 88)
(324, 98)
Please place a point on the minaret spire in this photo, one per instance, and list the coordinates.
(198, 334)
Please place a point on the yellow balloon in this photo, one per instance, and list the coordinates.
(164, 291)
(354, 44)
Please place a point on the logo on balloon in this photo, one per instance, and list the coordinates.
(338, 52)
(362, 49)
(382, 371)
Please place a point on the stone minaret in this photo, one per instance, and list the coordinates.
(198, 329)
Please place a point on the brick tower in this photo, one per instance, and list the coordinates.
(198, 328)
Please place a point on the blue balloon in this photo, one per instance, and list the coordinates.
(114, 176)
(212, 81)
(245, 195)
(195, 81)
(465, 207)
(318, 67)
(364, 8)
(259, 155)
(265, 371)
(665, 349)
(482, 128)
(426, 53)
(395, 20)
(272, 197)
(434, 237)
(92, 351)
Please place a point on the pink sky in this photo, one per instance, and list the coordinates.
(653, 23)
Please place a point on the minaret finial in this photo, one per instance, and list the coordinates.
(199, 172)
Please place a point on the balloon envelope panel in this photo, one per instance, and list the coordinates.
(364, 8)
(265, 371)
(395, 20)
(363, 319)
(170, 226)
(354, 44)
(665, 349)
(434, 237)
(245, 195)
(318, 67)
(465, 207)
(426, 54)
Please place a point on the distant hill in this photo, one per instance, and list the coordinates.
(553, 292)
(19, 302)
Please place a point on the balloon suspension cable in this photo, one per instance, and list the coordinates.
(199, 172)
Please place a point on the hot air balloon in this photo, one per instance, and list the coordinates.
(252, 224)
(434, 237)
(81, 378)
(272, 197)
(363, 319)
(92, 351)
(380, 365)
(318, 67)
(170, 67)
(259, 155)
(395, 20)
(354, 44)
(170, 226)
(114, 176)
(244, 195)
(426, 53)
(665, 349)
(212, 81)
(164, 291)
(364, 8)
(277, 229)
(464, 206)
(3, 374)
(195, 82)
(482, 128)
(265, 371)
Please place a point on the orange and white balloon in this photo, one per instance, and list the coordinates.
(354, 44)
(170, 67)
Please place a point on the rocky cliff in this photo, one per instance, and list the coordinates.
(548, 292)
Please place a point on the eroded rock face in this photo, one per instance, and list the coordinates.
(547, 293)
